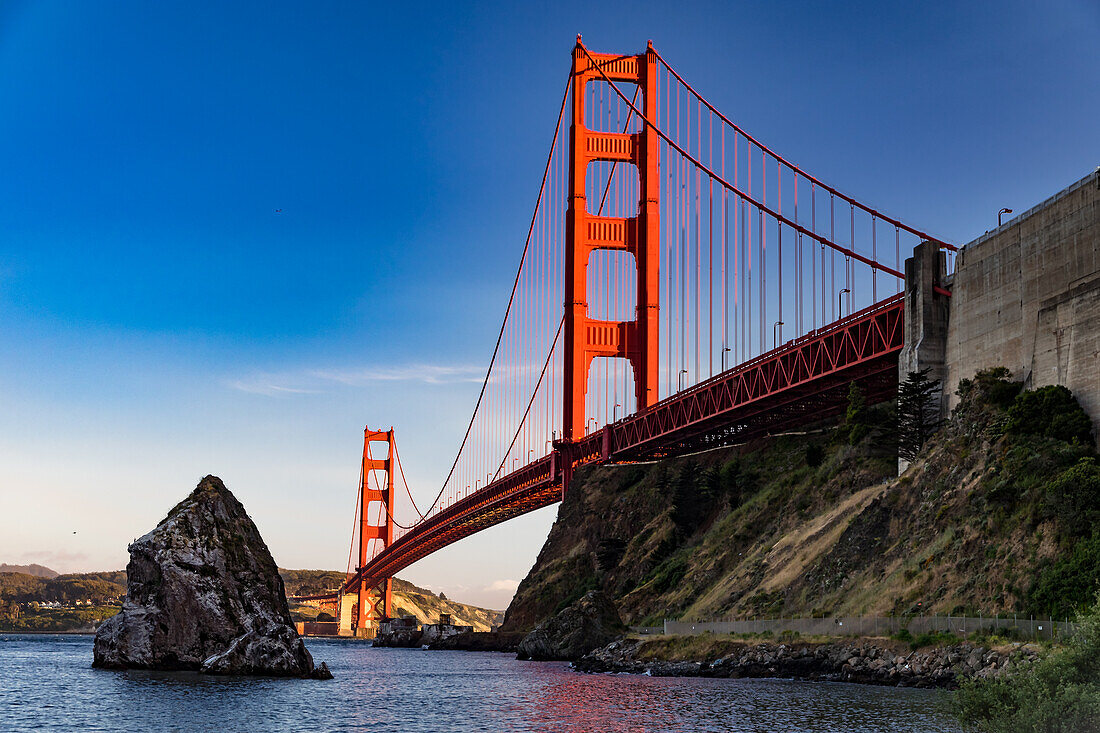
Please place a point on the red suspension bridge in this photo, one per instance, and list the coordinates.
(681, 286)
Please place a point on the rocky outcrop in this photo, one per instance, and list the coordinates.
(203, 593)
(399, 638)
(481, 641)
(591, 622)
(863, 662)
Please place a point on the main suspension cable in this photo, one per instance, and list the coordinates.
(755, 203)
(792, 166)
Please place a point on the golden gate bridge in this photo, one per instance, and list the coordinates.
(681, 286)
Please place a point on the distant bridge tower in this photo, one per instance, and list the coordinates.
(585, 337)
(375, 524)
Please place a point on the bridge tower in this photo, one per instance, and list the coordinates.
(375, 523)
(585, 232)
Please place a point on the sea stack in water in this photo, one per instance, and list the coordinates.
(203, 593)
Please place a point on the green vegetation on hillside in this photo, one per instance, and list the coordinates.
(995, 515)
(56, 619)
(96, 587)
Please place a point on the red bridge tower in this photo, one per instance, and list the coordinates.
(585, 337)
(375, 603)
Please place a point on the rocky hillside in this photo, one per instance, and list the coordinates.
(426, 606)
(996, 515)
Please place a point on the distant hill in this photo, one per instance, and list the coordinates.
(408, 599)
(107, 587)
(38, 571)
(97, 587)
(315, 582)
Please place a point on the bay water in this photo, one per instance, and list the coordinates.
(47, 683)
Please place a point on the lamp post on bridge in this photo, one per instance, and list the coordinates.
(1001, 213)
(591, 420)
(725, 350)
(615, 412)
(840, 301)
(680, 380)
(775, 339)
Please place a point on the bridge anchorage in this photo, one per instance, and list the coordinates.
(682, 286)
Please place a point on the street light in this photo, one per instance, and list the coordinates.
(775, 339)
(590, 420)
(840, 300)
(615, 412)
(724, 351)
(680, 379)
(1001, 213)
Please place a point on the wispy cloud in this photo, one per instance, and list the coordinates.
(268, 385)
(503, 585)
(55, 557)
(316, 381)
(427, 373)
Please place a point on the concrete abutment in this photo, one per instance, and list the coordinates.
(1025, 296)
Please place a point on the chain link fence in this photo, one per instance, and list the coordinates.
(1014, 626)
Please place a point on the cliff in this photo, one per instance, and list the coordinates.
(996, 515)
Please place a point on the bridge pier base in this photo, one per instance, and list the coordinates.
(927, 310)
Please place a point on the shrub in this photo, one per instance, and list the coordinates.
(990, 387)
(856, 426)
(1073, 497)
(815, 455)
(1052, 412)
(1058, 694)
(904, 635)
(1069, 583)
(933, 638)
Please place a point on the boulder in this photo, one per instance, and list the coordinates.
(590, 623)
(203, 593)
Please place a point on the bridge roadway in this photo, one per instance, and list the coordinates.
(800, 382)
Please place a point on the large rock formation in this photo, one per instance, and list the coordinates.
(205, 594)
(591, 622)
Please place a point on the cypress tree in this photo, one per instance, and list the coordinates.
(918, 413)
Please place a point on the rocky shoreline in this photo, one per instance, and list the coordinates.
(873, 662)
(481, 641)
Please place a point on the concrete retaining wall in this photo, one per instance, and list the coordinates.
(1027, 296)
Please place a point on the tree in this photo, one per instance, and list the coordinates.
(918, 413)
(856, 425)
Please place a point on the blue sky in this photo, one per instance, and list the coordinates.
(234, 233)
